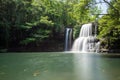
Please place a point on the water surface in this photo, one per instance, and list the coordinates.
(59, 66)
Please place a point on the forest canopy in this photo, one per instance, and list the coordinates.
(31, 22)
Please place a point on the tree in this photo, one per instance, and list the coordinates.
(24, 22)
(109, 24)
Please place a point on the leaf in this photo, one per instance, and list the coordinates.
(27, 41)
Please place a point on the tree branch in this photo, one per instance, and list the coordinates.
(95, 3)
(116, 10)
(100, 14)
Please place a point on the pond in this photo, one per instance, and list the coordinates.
(59, 66)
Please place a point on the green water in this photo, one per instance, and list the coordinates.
(59, 66)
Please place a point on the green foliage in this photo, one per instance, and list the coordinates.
(44, 20)
(76, 31)
(39, 30)
(27, 40)
(33, 21)
(109, 26)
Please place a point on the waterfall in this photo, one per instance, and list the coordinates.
(68, 39)
(87, 41)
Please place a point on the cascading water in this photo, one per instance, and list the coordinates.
(68, 39)
(87, 41)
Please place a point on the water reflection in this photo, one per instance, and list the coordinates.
(89, 67)
(59, 66)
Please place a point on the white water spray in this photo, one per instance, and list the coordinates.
(86, 42)
(68, 39)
